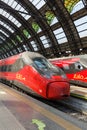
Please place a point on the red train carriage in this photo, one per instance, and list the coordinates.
(75, 68)
(34, 73)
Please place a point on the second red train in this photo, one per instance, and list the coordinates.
(75, 68)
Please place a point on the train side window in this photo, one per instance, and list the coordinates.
(4, 68)
(0, 68)
(8, 68)
(78, 66)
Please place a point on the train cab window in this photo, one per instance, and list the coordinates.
(45, 68)
(41, 63)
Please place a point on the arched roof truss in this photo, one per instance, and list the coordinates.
(27, 25)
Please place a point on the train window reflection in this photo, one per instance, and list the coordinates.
(41, 63)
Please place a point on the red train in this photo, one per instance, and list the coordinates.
(75, 68)
(34, 73)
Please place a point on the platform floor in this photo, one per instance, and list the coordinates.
(78, 91)
(21, 112)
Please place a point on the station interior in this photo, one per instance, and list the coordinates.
(51, 29)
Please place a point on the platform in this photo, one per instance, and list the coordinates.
(21, 112)
(79, 92)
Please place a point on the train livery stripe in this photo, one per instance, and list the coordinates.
(55, 118)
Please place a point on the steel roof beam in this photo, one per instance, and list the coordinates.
(67, 24)
(42, 22)
(24, 23)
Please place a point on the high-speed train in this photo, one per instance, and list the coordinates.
(75, 68)
(33, 73)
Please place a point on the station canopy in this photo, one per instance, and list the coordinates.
(53, 28)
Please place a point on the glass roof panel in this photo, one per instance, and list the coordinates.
(73, 6)
(10, 17)
(77, 7)
(83, 33)
(55, 20)
(34, 45)
(4, 33)
(81, 20)
(0, 41)
(37, 3)
(6, 26)
(2, 38)
(60, 35)
(26, 16)
(17, 7)
(7, 15)
(81, 25)
(45, 41)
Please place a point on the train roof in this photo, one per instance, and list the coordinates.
(26, 56)
(71, 59)
(31, 54)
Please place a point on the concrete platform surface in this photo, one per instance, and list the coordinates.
(80, 92)
(21, 112)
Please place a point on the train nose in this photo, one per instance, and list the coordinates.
(58, 90)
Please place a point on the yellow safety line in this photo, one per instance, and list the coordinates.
(55, 118)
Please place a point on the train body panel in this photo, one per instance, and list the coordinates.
(75, 68)
(32, 72)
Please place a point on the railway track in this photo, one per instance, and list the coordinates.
(72, 106)
(76, 107)
(75, 104)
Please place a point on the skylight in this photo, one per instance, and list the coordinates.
(34, 45)
(77, 7)
(37, 3)
(17, 7)
(60, 35)
(81, 25)
(6, 26)
(45, 41)
(4, 33)
(10, 17)
(2, 38)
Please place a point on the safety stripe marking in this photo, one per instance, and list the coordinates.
(55, 118)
